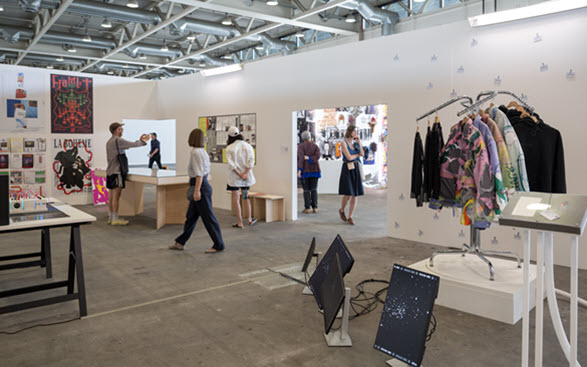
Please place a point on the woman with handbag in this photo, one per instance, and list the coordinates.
(200, 196)
(350, 184)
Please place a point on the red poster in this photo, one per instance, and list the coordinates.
(71, 105)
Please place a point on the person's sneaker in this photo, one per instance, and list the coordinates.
(176, 246)
(306, 211)
(253, 222)
(119, 222)
(109, 221)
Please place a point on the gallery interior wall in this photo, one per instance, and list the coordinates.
(411, 72)
(165, 130)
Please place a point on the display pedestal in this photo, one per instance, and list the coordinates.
(340, 337)
(464, 286)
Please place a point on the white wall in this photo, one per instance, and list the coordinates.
(165, 130)
(114, 98)
(366, 73)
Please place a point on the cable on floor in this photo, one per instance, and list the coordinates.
(38, 325)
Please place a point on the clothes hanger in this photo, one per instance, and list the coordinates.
(436, 119)
(513, 104)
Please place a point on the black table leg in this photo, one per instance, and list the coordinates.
(46, 252)
(71, 266)
(79, 267)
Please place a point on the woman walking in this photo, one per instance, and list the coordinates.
(309, 171)
(201, 200)
(350, 184)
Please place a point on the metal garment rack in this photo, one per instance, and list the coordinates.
(474, 246)
(524, 103)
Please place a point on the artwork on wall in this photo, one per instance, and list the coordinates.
(71, 166)
(216, 130)
(71, 105)
(23, 101)
(99, 189)
(24, 158)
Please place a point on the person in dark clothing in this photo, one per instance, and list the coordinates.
(309, 171)
(155, 153)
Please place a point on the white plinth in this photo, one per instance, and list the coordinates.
(465, 286)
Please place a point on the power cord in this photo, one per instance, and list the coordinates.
(34, 326)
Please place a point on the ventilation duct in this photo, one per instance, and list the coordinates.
(51, 60)
(30, 6)
(105, 66)
(14, 34)
(202, 26)
(287, 47)
(140, 48)
(388, 19)
(212, 61)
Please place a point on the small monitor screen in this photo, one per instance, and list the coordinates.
(309, 255)
(346, 263)
(406, 314)
(332, 293)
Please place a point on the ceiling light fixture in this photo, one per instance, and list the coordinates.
(71, 49)
(350, 19)
(259, 46)
(191, 37)
(60, 58)
(49, 66)
(125, 66)
(419, 1)
(106, 23)
(142, 56)
(222, 70)
(272, 2)
(547, 7)
(227, 57)
(164, 48)
(202, 64)
(1, 7)
(132, 4)
(299, 34)
(110, 72)
(87, 38)
(227, 21)
(181, 71)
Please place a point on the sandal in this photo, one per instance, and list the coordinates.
(237, 226)
(176, 246)
(342, 216)
(351, 221)
(211, 251)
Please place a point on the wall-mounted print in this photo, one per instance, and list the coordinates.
(71, 105)
(23, 101)
(71, 165)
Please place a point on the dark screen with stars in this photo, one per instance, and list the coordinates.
(406, 314)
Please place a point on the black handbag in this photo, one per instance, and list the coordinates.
(123, 160)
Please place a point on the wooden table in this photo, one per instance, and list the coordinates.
(171, 194)
(58, 215)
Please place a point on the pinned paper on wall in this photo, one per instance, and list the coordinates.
(22, 107)
(71, 166)
(72, 104)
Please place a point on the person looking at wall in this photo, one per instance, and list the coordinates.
(350, 184)
(309, 171)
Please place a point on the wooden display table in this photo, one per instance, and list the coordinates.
(264, 206)
(172, 203)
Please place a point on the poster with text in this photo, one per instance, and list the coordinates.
(22, 101)
(72, 159)
(72, 105)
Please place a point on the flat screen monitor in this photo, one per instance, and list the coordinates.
(309, 255)
(346, 263)
(332, 293)
(406, 314)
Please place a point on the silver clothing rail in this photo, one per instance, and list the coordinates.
(477, 104)
(446, 104)
(524, 103)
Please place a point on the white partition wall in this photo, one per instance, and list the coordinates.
(165, 130)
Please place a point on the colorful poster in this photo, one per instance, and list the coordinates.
(29, 145)
(16, 145)
(71, 165)
(4, 145)
(4, 163)
(23, 101)
(16, 177)
(99, 189)
(71, 105)
(28, 161)
(16, 161)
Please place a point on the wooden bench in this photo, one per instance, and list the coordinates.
(271, 208)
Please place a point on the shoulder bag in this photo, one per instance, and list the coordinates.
(123, 160)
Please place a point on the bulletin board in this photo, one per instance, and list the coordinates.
(216, 130)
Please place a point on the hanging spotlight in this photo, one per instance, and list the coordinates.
(350, 19)
(71, 49)
(106, 23)
(202, 64)
(60, 58)
(181, 71)
(191, 37)
(110, 72)
(49, 66)
(87, 38)
(132, 4)
(1, 7)
(142, 56)
(259, 46)
(164, 48)
(227, 21)
(125, 66)
(227, 57)
(272, 2)
(299, 34)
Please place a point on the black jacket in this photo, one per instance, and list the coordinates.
(417, 191)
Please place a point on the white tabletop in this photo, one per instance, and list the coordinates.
(158, 177)
(73, 216)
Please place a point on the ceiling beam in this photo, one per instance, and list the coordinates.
(44, 29)
(255, 31)
(274, 15)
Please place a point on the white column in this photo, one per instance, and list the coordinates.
(538, 329)
(574, 296)
(526, 303)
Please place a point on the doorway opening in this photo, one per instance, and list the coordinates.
(165, 130)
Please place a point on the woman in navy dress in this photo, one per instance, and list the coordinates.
(350, 184)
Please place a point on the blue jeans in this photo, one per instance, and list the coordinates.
(202, 208)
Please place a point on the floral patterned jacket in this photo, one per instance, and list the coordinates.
(465, 174)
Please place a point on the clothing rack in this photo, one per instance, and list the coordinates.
(475, 233)
(446, 104)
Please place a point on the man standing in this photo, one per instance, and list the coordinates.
(114, 180)
(155, 153)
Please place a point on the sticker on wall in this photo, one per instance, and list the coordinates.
(461, 69)
(537, 37)
(497, 80)
(474, 42)
(434, 58)
(396, 57)
(543, 67)
(570, 75)
(72, 105)
(23, 106)
(71, 166)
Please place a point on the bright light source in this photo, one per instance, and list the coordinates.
(299, 34)
(164, 48)
(227, 57)
(132, 4)
(202, 65)
(106, 23)
(125, 66)
(110, 72)
(272, 2)
(60, 58)
(191, 37)
(1, 8)
(227, 21)
(49, 66)
(87, 38)
(350, 19)
(538, 206)
(548, 7)
(181, 71)
(259, 46)
(419, 1)
(71, 49)
(222, 70)
(142, 56)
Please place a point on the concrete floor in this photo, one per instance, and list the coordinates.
(151, 306)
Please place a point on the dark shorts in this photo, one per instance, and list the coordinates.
(244, 189)
(115, 180)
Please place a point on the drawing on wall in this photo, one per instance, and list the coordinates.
(216, 130)
(4, 161)
(71, 165)
(23, 106)
(71, 105)
(16, 177)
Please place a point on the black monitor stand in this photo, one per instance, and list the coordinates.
(307, 290)
(341, 337)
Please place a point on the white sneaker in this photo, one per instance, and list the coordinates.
(119, 222)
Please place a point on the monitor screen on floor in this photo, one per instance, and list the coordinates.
(346, 263)
(332, 293)
(406, 314)
(309, 255)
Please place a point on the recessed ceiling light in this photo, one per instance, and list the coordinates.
(227, 21)
(1, 8)
(350, 19)
(60, 58)
(132, 4)
(106, 23)
(272, 2)
(87, 38)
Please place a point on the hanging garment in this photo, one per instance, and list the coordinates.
(517, 158)
(543, 148)
(432, 162)
(427, 165)
(507, 171)
(416, 191)
(465, 174)
(499, 196)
